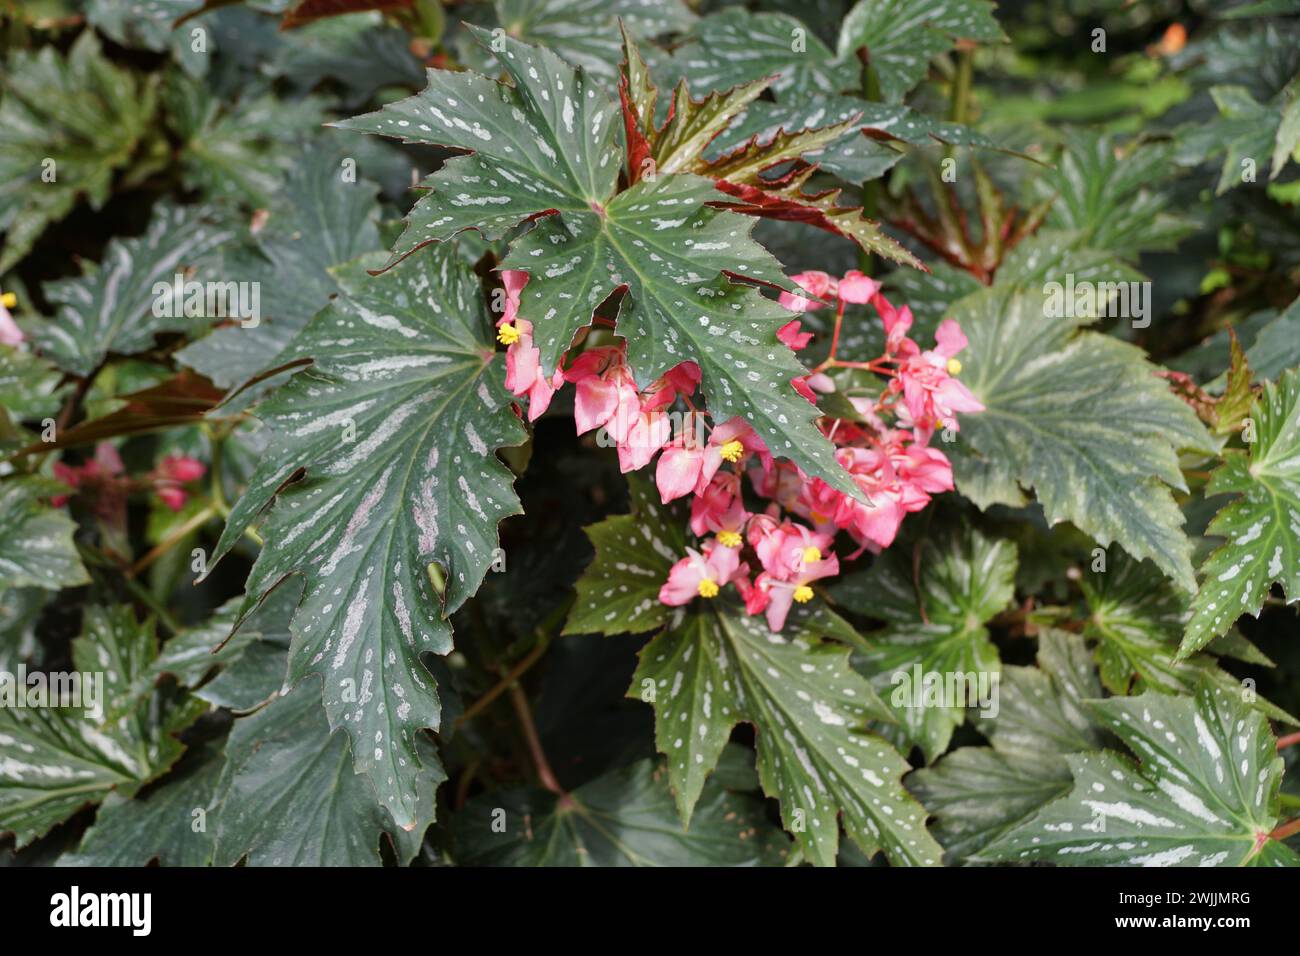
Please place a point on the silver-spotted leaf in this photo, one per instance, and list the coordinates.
(902, 36)
(1079, 417)
(624, 818)
(1261, 527)
(978, 793)
(289, 795)
(934, 658)
(396, 423)
(114, 307)
(1203, 791)
(36, 546)
(107, 737)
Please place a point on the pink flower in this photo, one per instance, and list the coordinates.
(782, 594)
(817, 283)
(687, 467)
(785, 548)
(171, 473)
(681, 379)
(524, 375)
(791, 336)
(173, 498)
(10, 334)
(857, 288)
(719, 509)
(103, 469)
(650, 431)
(523, 367)
(181, 468)
(933, 397)
(700, 574)
(605, 392)
(514, 281)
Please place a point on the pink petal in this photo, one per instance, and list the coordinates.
(678, 471)
(857, 288)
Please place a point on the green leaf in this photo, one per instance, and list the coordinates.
(1233, 406)
(396, 423)
(237, 151)
(29, 387)
(548, 145)
(1137, 619)
(934, 641)
(618, 593)
(979, 793)
(625, 818)
(174, 823)
(1111, 196)
(1261, 526)
(20, 609)
(57, 759)
(290, 796)
(1250, 134)
(902, 36)
(80, 112)
(716, 667)
(189, 656)
(1203, 794)
(112, 306)
(735, 46)
(585, 32)
(36, 546)
(256, 675)
(863, 151)
(318, 222)
(1277, 347)
(1079, 417)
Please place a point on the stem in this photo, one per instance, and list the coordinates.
(959, 111)
(544, 772)
(871, 188)
(835, 336)
(504, 684)
(218, 491)
(1289, 799)
(197, 521)
(1288, 740)
(1290, 828)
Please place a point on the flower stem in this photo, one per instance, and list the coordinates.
(544, 772)
(516, 672)
(198, 520)
(1288, 740)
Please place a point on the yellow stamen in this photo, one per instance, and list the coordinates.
(731, 451)
(954, 367)
(507, 334)
(708, 588)
(803, 594)
(811, 553)
(9, 300)
(729, 539)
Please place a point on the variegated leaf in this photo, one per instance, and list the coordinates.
(396, 423)
(1261, 526)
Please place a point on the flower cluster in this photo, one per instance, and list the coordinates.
(104, 477)
(884, 445)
